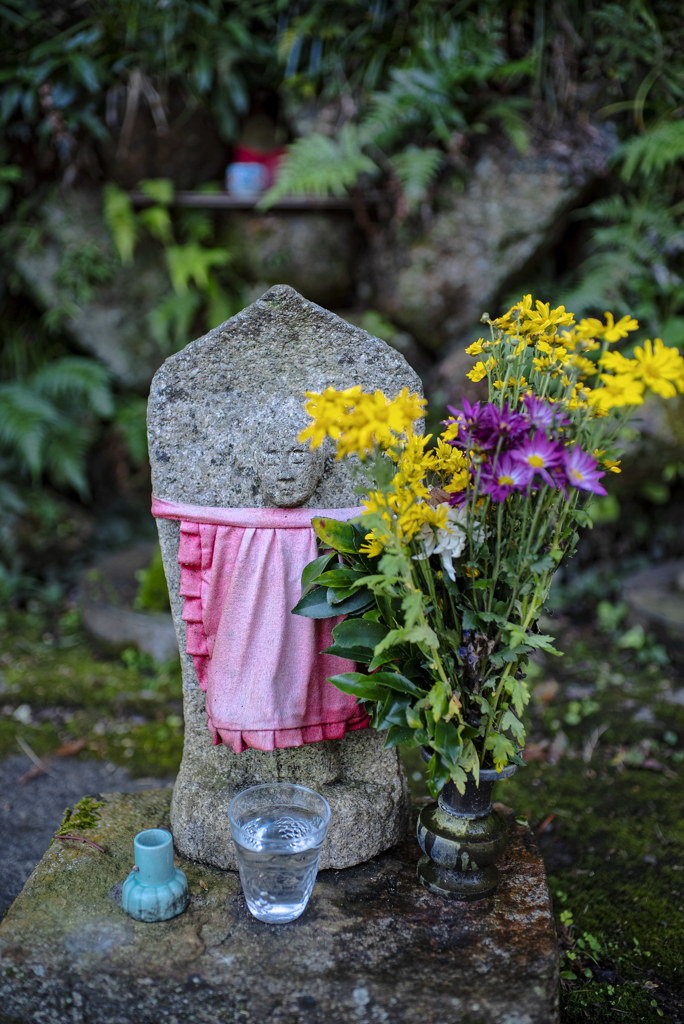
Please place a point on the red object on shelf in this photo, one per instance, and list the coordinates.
(270, 160)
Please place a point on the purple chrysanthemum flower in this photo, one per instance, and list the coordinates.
(504, 478)
(539, 455)
(539, 413)
(582, 471)
(502, 423)
(542, 413)
(467, 418)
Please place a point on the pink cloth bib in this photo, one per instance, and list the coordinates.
(260, 665)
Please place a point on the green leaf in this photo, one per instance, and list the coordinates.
(392, 711)
(358, 654)
(399, 735)
(512, 724)
(315, 604)
(388, 656)
(317, 164)
(358, 600)
(341, 577)
(439, 772)
(470, 620)
(359, 632)
(447, 740)
(501, 749)
(542, 565)
(518, 693)
(120, 221)
(396, 681)
(582, 519)
(159, 189)
(191, 262)
(335, 534)
(358, 685)
(312, 570)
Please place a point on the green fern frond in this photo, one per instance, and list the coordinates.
(159, 189)
(317, 165)
(171, 319)
(654, 151)
(416, 169)
(75, 377)
(64, 454)
(25, 418)
(131, 418)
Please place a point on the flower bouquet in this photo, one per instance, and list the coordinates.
(445, 572)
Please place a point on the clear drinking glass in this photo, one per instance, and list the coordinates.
(278, 829)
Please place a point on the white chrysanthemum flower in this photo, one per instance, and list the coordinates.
(448, 542)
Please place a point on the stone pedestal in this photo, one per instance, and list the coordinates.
(371, 946)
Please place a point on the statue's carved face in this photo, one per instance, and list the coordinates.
(288, 472)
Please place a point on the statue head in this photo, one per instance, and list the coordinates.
(287, 470)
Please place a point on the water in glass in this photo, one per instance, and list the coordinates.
(278, 845)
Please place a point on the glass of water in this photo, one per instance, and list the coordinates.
(278, 829)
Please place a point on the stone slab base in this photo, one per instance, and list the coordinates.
(372, 946)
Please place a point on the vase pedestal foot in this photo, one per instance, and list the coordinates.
(457, 885)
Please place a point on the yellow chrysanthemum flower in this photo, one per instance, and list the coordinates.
(480, 370)
(476, 348)
(614, 331)
(357, 420)
(618, 363)
(660, 368)
(621, 389)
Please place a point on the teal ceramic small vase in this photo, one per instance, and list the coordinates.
(156, 889)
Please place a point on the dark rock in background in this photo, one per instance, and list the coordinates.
(109, 318)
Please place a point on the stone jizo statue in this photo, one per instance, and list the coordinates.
(235, 493)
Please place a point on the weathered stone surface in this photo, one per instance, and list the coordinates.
(371, 946)
(437, 283)
(111, 321)
(313, 252)
(213, 409)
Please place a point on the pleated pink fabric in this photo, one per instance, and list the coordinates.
(260, 665)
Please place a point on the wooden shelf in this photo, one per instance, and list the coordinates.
(224, 201)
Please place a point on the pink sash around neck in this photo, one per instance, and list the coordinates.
(261, 667)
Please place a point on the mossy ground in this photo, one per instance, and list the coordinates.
(604, 793)
(57, 687)
(604, 790)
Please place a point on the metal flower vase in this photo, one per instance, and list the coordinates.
(156, 889)
(462, 837)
